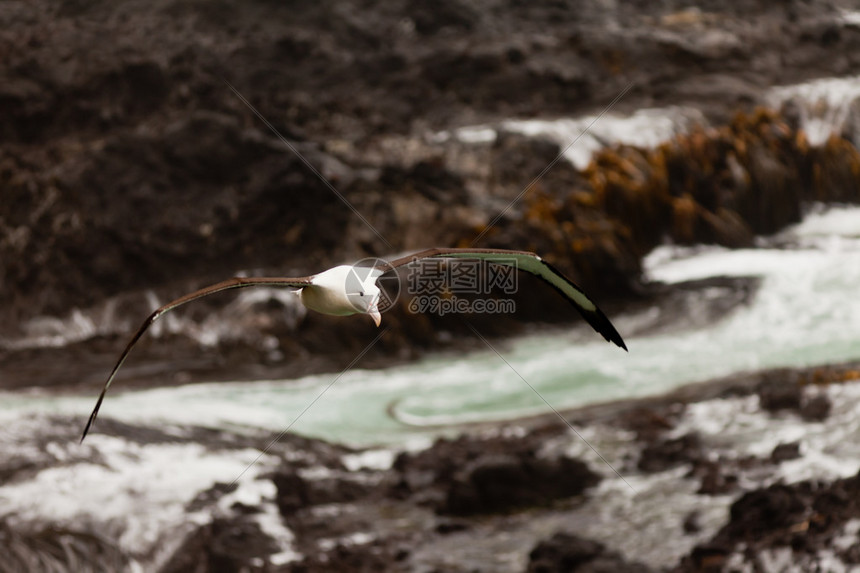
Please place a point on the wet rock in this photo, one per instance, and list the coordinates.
(296, 493)
(806, 517)
(706, 558)
(448, 15)
(470, 476)
(816, 408)
(777, 507)
(692, 522)
(431, 179)
(670, 453)
(293, 492)
(447, 526)
(773, 198)
(716, 478)
(564, 552)
(836, 167)
(39, 548)
(495, 484)
(226, 544)
(785, 452)
(440, 463)
(514, 155)
(778, 392)
(364, 558)
(649, 423)
(209, 497)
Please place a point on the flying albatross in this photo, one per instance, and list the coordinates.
(342, 291)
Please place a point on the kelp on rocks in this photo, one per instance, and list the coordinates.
(722, 185)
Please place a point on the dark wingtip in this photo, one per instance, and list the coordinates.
(616, 339)
(93, 416)
(602, 325)
(592, 315)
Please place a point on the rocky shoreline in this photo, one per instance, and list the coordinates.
(460, 494)
(526, 495)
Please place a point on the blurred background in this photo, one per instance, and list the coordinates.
(692, 166)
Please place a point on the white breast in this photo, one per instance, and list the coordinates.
(328, 292)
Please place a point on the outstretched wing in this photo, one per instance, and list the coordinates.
(530, 263)
(238, 282)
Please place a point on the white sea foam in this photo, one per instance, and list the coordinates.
(380, 459)
(825, 107)
(739, 427)
(825, 104)
(139, 492)
(226, 323)
(581, 137)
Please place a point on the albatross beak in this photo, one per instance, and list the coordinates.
(374, 314)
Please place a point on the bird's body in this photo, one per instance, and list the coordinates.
(341, 291)
(352, 289)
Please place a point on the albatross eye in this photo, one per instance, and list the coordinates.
(361, 293)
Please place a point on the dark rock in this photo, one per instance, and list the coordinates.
(776, 507)
(564, 552)
(293, 493)
(447, 526)
(806, 517)
(706, 558)
(667, 454)
(366, 558)
(648, 423)
(432, 179)
(773, 199)
(296, 493)
(223, 545)
(58, 549)
(851, 555)
(494, 484)
(692, 523)
(450, 15)
(439, 464)
(836, 167)
(514, 156)
(776, 392)
(207, 498)
(816, 409)
(716, 480)
(785, 452)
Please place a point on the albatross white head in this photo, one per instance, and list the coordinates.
(344, 290)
